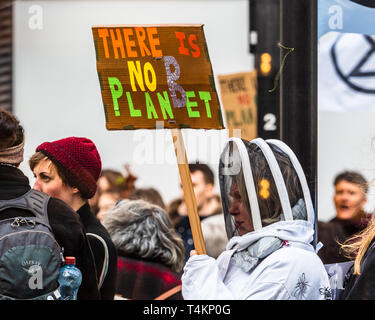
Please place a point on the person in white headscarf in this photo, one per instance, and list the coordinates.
(269, 217)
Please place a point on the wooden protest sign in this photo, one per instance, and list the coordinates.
(156, 73)
(153, 74)
(238, 95)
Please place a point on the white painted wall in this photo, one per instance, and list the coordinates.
(345, 142)
(57, 94)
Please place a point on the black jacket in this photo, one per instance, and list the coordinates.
(336, 231)
(93, 225)
(183, 228)
(65, 223)
(362, 287)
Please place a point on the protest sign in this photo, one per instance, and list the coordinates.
(159, 74)
(156, 73)
(238, 96)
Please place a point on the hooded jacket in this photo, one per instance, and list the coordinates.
(292, 272)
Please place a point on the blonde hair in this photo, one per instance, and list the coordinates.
(357, 245)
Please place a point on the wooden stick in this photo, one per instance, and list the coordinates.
(187, 186)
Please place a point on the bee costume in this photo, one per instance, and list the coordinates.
(276, 257)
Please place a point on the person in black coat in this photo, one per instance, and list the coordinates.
(65, 223)
(350, 198)
(68, 169)
(360, 284)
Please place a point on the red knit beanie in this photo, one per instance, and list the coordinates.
(79, 161)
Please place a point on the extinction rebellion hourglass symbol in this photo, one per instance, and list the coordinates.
(358, 71)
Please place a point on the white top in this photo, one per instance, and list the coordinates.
(293, 272)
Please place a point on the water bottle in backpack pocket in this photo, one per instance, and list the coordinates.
(70, 279)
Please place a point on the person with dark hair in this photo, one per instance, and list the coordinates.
(208, 203)
(350, 195)
(148, 194)
(150, 251)
(114, 181)
(69, 169)
(202, 179)
(106, 202)
(108, 180)
(64, 221)
(207, 173)
(350, 198)
(269, 219)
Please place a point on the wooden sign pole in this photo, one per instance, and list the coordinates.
(187, 186)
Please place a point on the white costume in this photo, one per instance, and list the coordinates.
(292, 272)
(273, 262)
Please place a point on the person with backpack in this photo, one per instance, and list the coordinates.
(269, 219)
(36, 230)
(69, 169)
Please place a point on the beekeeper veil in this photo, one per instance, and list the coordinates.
(266, 178)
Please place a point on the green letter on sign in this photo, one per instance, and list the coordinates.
(165, 105)
(133, 112)
(206, 97)
(190, 104)
(151, 112)
(116, 93)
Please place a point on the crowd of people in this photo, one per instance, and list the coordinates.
(129, 244)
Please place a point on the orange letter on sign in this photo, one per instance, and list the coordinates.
(103, 33)
(141, 36)
(129, 43)
(182, 50)
(154, 42)
(194, 46)
(117, 43)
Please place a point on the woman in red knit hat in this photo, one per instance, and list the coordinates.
(65, 224)
(69, 169)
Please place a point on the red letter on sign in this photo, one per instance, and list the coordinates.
(182, 50)
(194, 46)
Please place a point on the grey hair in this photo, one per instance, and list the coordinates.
(139, 228)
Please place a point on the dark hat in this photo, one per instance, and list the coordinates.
(79, 161)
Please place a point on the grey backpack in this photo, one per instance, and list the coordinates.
(30, 257)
